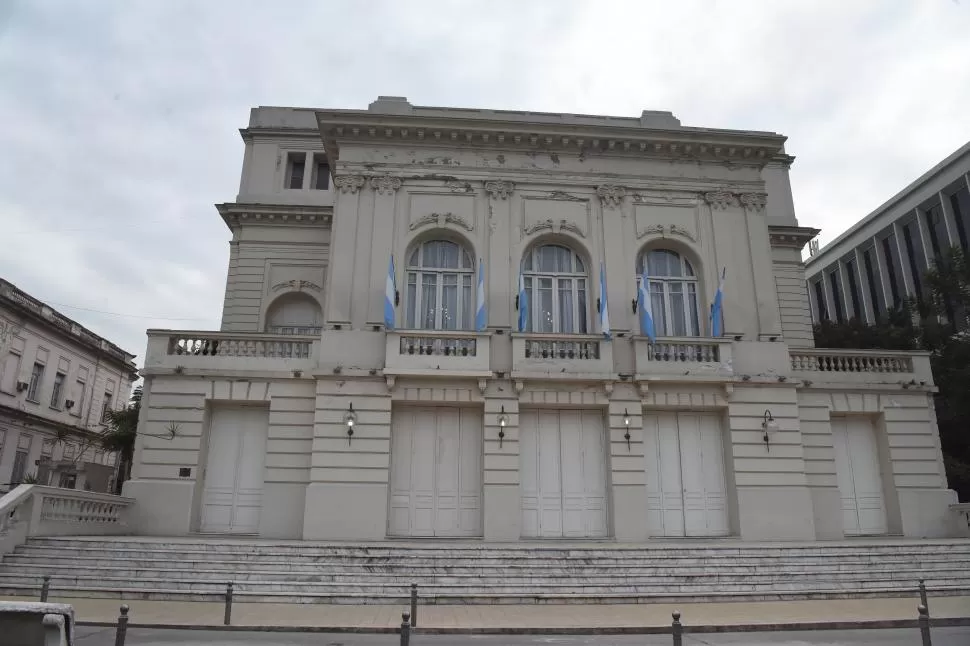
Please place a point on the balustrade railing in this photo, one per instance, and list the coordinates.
(443, 345)
(562, 349)
(822, 361)
(242, 346)
(683, 352)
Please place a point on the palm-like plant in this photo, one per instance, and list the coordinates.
(121, 433)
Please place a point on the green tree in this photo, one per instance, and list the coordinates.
(121, 434)
(938, 324)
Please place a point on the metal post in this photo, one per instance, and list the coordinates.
(414, 605)
(228, 616)
(676, 629)
(122, 630)
(45, 589)
(922, 596)
(406, 629)
(924, 625)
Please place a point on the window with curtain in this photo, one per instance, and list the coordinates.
(440, 277)
(555, 283)
(673, 292)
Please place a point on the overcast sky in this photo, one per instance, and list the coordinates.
(119, 120)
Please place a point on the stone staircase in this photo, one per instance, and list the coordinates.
(468, 573)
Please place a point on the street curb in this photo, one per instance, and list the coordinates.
(943, 622)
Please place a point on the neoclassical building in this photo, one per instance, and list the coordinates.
(433, 327)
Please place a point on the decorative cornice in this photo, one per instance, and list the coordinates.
(349, 183)
(611, 195)
(298, 285)
(440, 219)
(385, 184)
(499, 189)
(793, 237)
(234, 214)
(561, 225)
(754, 201)
(720, 199)
(667, 230)
(607, 138)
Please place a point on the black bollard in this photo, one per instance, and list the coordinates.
(414, 605)
(405, 629)
(45, 589)
(922, 595)
(122, 630)
(228, 616)
(924, 625)
(676, 629)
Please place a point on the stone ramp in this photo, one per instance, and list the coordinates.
(479, 573)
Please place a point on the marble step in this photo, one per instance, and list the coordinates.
(202, 572)
(780, 585)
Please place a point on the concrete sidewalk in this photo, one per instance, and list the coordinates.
(888, 612)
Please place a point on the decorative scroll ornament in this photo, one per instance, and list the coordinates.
(385, 184)
(440, 219)
(667, 230)
(499, 190)
(349, 183)
(297, 285)
(719, 199)
(561, 225)
(611, 195)
(754, 201)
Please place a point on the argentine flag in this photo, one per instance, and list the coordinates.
(481, 317)
(523, 304)
(390, 292)
(604, 310)
(717, 307)
(647, 328)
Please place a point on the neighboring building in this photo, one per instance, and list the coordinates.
(880, 261)
(307, 416)
(57, 379)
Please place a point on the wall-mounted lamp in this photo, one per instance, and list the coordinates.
(503, 421)
(770, 426)
(626, 423)
(350, 419)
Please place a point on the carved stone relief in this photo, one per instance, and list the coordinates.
(611, 195)
(349, 183)
(554, 226)
(385, 184)
(440, 219)
(298, 285)
(720, 199)
(499, 190)
(754, 201)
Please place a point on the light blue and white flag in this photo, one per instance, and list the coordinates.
(523, 304)
(481, 316)
(604, 309)
(717, 307)
(390, 294)
(647, 328)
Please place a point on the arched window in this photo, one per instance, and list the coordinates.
(555, 284)
(673, 293)
(440, 296)
(294, 313)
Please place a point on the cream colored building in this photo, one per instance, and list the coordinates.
(306, 416)
(57, 379)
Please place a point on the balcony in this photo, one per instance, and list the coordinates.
(864, 367)
(683, 358)
(436, 352)
(221, 352)
(561, 356)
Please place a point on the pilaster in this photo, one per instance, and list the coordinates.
(343, 247)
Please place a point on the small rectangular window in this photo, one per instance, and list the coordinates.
(58, 389)
(9, 371)
(47, 448)
(295, 169)
(321, 172)
(36, 377)
(19, 468)
(78, 408)
(105, 407)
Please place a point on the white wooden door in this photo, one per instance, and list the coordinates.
(859, 476)
(232, 495)
(685, 479)
(436, 472)
(563, 474)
